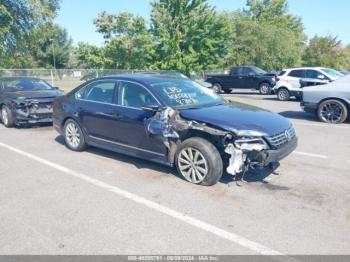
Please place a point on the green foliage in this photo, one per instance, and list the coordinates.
(189, 35)
(129, 44)
(23, 24)
(327, 51)
(266, 35)
(89, 56)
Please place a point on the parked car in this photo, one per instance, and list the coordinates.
(247, 77)
(173, 122)
(289, 82)
(331, 102)
(25, 100)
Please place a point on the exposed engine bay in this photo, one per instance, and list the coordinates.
(33, 110)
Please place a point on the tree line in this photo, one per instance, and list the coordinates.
(184, 35)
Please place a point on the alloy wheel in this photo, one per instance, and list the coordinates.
(4, 116)
(264, 89)
(193, 165)
(331, 112)
(72, 135)
(283, 94)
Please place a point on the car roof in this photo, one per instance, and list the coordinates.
(18, 77)
(303, 68)
(143, 78)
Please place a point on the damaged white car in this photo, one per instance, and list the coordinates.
(174, 122)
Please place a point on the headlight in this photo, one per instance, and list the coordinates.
(251, 143)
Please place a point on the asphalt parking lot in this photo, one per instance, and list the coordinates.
(55, 201)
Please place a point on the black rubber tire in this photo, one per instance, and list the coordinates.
(262, 86)
(211, 154)
(82, 142)
(344, 115)
(217, 88)
(285, 97)
(10, 118)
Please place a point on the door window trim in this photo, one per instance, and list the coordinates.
(136, 83)
(98, 102)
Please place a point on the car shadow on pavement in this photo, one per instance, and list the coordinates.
(300, 115)
(251, 176)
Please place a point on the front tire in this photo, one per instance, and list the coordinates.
(199, 162)
(7, 117)
(264, 89)
(74, 136)
(332, 111)
(283, 94)
(217, 88)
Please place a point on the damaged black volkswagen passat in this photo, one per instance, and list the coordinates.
(175, 122)
(26, 100)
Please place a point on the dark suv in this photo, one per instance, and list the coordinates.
(173, 122)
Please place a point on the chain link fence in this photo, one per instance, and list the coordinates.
(67, 79)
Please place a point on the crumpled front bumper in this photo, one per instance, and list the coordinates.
(33, 114)
(267, 157)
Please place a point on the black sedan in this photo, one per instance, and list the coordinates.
(173, 122)
(25, 100)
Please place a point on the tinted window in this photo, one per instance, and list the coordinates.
(297, 73)
(281, 73)
(246, 71)
(134, 95)
(235, 71)
(101, 91)
(314, 74)
(25, 84)
(184, 94)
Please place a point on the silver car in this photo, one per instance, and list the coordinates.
(331, 102)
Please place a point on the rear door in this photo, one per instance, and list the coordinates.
(247, 78)
(235, 77)
(295, 76)
(97, 109)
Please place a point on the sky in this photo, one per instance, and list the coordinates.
(321, 17)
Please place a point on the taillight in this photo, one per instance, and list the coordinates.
(277, 79)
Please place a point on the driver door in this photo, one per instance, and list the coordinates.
(130, 128)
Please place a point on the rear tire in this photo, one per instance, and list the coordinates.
(74, 136)
(283, 94)
(7, 117)
(199, 162)
(332, 111)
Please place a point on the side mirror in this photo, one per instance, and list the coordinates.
(151, 108)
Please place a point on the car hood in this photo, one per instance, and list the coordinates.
(22, 95)
(239, 118)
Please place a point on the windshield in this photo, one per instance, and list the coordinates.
(333, 73)
(185, 94)
(14, 85)
(258, 70)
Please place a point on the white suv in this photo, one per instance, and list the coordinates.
(289, 82)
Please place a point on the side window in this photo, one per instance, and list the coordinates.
(314, 74)
(297, 73)
(134, 95)
(101, 91)
(246, 71)
(234, 71)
